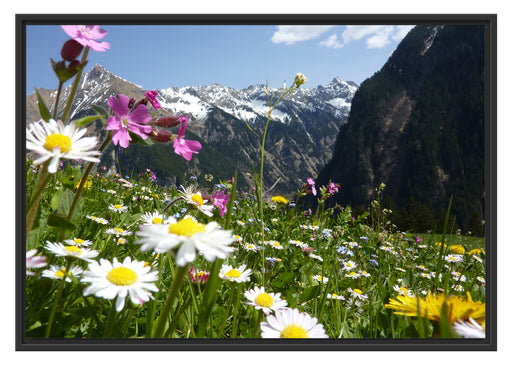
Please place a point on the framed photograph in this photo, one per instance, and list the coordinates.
(256, 182)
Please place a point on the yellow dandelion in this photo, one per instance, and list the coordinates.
(279, 199)
(457, 249)
(458, 308)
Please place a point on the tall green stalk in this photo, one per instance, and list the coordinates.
(169, 301)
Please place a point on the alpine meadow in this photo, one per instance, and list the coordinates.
(338, 212)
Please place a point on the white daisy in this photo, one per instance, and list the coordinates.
(319, 258)
(403, 291)
(250, 247)
(357, 294)
(196, 199)
(239, 275)
(187, 236)
(353, 275)
(118, 232)
(275, 244)
(335, 296)
(454, 258)
(290, 323)
(298, 243)
(153, 218)
(78, 242)
(321, 278)
(119, 208)
(71, 251)
(267, 302)
(97, 219)
(57, 272)
(349, 265)
(53, 140)
(469, 329)
(110, 280)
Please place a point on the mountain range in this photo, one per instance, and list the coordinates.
(229, 123)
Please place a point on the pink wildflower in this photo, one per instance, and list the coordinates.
(220, 200)
(86, 35)
(34, 262)
(181, 145)
(124, 121)
(311, 182)
(198, 275)
(151, 95)
(333, 188)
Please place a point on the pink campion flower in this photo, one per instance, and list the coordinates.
(311, 182)
(124, 120)
(220, 200)
(181, 145)
(86, 35)
(151, 95)
(333, 188)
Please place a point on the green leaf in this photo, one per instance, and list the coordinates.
(137, 139)
(57, 221)
(82, 122)
(310, 293)
(102, 113)
(63, 72)
(43, 109)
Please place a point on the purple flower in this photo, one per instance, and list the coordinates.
(220, 200)
(181, 145)
(124, 121)
(151, 95)
(86, 35)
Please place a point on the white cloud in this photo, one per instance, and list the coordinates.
(377, 36)
(290, 34)
(331, 42)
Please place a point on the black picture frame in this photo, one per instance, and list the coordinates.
(487, 344)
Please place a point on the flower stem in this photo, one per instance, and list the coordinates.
(173, 292)
(57, 299)
(110, 321)
(57, 100)
(74, 87)
(33, 205)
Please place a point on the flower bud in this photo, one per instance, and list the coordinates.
(161, 136)
(167, 122)
(71, 50)
(300, 79)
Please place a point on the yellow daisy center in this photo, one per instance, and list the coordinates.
(157, 220)
(294, 331)
(264, 300)
(73, 249)
(198, 199)
(120, 230)
(58, 140)
(357, 291)
(233, 273)
(60, 273)
(78, 241)
(186, 227)
(122, 276)
(118, 206)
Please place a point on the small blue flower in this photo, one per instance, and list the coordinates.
(363, 238)
(373, 262)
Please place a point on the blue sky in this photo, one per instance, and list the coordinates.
(158, 57)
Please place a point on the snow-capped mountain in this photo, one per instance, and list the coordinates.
(300, 140)
(252, 102)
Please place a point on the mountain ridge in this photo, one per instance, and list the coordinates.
(300, 137)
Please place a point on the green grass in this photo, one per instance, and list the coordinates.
(385, 261)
